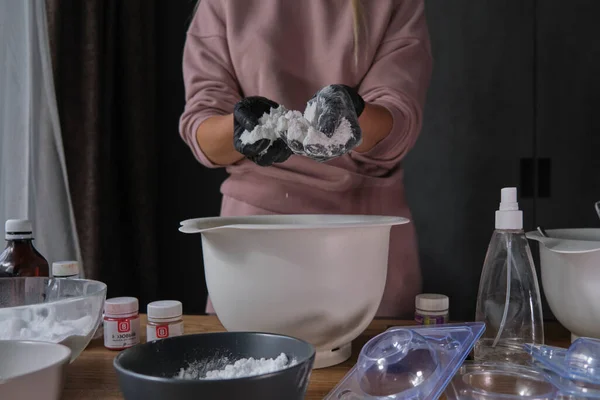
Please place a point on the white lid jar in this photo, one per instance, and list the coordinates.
(65, 269)
(121, 323)
(432, 309)
(165, 319)
(121, 307)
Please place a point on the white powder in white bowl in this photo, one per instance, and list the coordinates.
(242, 368)
(43, 324)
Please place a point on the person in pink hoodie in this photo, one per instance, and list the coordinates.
(359, 69)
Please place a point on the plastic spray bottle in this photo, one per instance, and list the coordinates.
(509, 296)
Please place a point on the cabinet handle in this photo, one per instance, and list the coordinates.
(527, 182)
(544, 172)
(529, 171)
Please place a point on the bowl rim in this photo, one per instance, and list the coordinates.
(121, 369)
(335, 221)
(100, 291)
(63, 359)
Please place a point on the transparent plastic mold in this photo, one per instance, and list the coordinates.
(410, 363)
(500, 381)
(574, 371)
(555, 374)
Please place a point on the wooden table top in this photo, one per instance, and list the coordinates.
(92, 377)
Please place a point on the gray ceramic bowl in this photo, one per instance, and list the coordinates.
(148, 371)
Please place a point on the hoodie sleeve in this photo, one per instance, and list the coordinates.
(211, 86)
(398, 80)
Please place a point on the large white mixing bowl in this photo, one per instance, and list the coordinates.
(319, 278)
(570, 264)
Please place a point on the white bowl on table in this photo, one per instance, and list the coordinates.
(319, 278)
(32, 370)
(570, 265)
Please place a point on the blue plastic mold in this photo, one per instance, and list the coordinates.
(554, 374)
(574, 371)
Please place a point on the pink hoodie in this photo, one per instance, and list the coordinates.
(286, 51)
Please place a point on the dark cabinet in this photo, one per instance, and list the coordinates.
(511, 103)
(568, 99)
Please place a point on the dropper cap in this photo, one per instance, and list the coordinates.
(509, 217)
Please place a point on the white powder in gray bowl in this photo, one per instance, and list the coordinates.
(242, 368)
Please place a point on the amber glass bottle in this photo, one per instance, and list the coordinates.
(20, 257)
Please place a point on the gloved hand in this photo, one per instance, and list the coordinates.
(334, 111)
(261, 146)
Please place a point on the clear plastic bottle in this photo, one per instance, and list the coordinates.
(509, 296)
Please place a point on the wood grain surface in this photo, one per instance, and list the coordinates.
(92, 377)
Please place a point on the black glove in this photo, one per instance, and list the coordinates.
(334, 110)
(263, 151)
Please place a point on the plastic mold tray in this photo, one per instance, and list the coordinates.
(409, 363)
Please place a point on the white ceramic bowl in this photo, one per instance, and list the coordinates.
(65, 311)
(571, 278)
(32, 370)
(319, 278)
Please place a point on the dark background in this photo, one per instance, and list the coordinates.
(513, 101)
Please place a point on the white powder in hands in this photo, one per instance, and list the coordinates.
(270, 126)
(242, 368)
(298, 131)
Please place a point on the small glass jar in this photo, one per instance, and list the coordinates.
(65, 269)
(165, 320)
(432, 309)
(121, 323)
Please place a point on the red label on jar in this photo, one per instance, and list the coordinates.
(156, 332)
(120, 334)
(124, 326)
(162, 332)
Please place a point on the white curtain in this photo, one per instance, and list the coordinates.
(33, 176)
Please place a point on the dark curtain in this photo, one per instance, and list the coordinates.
(104, 57)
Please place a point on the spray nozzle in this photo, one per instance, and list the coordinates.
(508, 198)
(508, 215)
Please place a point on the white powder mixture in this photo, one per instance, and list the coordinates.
(298, 131)
(270, 126)
(42, 325)
(240, 369)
